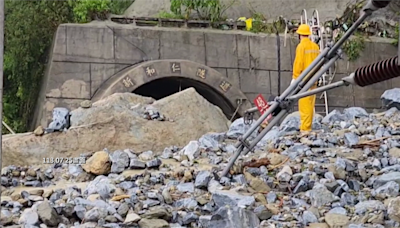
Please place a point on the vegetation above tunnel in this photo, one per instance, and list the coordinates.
(29, 29)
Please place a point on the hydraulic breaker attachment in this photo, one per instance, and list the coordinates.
(363, 76)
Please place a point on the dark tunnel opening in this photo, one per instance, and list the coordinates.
(164, 87)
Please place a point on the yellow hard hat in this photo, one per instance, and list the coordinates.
(304, 29)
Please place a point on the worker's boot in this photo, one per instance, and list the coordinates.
(305, 133)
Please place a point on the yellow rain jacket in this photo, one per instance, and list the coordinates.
(306, 52)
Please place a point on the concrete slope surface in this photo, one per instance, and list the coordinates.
(345, 173)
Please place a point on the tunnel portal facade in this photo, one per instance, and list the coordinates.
(90, 61)
(161, 78)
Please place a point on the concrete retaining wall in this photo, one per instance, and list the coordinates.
(86, 55)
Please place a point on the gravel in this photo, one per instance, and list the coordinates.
(345, 174)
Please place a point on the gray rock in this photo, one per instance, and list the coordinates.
(29, 217)
(153, 223)
(61, 120)
(120, 160)
(309, 217)
(271, 197)
(262, 212)
(101, 184)
(202, 179)
(270, 136)
(292, 122)
(211, 140)
(231, 218)
(394, 209)
(185, 187)
(351, 139)
(48, 214)
(320, 196)
(365, 206)
(136, 164)
(333, 116)
(167, 153)
(123, 209)
(391, 98)
(155, 163)
(80, 211)
(387, 177)
(355, 112)
(390, 189)
(189, 218)
(75, 170)
(150, 203)
(348, 199)
(338, 210)
(95, 214)
(302, 186)
(233, 199)
(191, 150)
(239, 179)
(187, 203)
(238, 128)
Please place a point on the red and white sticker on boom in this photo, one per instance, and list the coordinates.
(262, 106)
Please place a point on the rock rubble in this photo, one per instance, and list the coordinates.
(346, 173)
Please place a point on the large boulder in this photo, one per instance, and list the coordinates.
(117, 122)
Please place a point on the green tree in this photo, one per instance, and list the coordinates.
(29, 30)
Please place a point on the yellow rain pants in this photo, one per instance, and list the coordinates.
(306, 52)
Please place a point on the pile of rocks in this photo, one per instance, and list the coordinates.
(122, 120)
(344, 174)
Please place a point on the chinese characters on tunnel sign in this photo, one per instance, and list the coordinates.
(262, 106)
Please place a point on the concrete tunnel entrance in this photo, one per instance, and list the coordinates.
(161, 78)
(166, 86)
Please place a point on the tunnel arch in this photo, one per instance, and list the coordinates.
(160, 78)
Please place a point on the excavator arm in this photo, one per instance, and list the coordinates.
(363, 76)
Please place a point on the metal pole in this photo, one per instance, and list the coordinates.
(317, 90)
(8, 128)
(278, 46)
(348, 33)
(1, 78)
(315, 65)
(245, 150)
(315, 78)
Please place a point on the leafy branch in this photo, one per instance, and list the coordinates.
(353, 47)
(396, 35)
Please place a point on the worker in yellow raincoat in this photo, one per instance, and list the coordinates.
(306, 52)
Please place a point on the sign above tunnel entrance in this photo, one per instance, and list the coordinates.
(150, 71)
(127, 81)
(201, 73)
(175, 67)
(225, 86)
